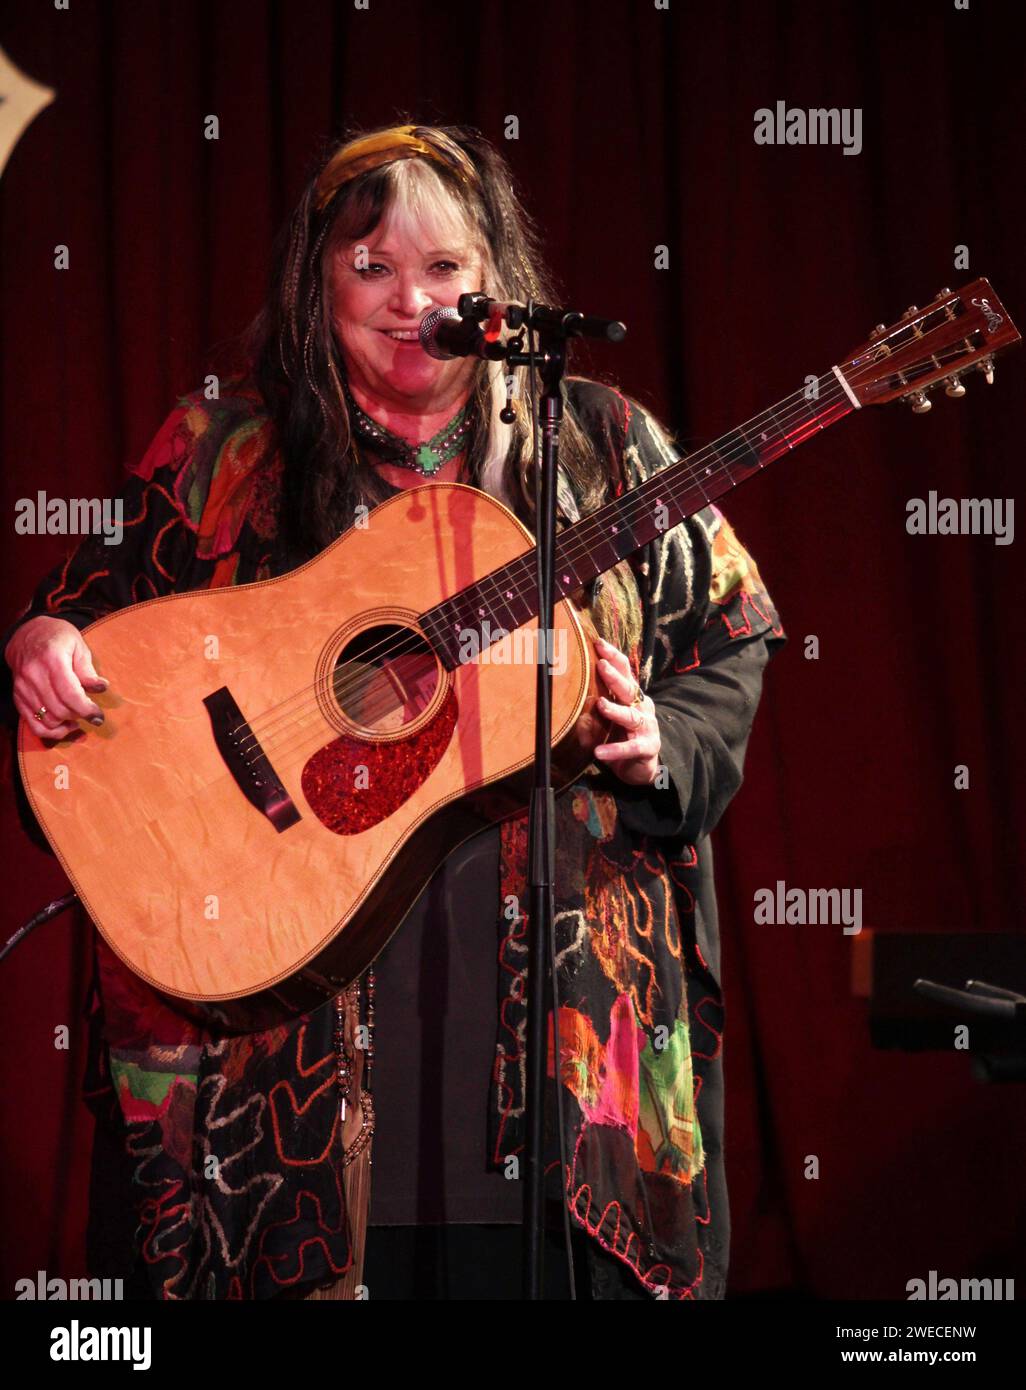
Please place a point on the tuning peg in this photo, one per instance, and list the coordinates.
(880, 328)
(987, 368)
(941, 293)
(954, 387)
(912, 309)
(920, 402)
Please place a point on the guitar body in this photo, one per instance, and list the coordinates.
(266, 797)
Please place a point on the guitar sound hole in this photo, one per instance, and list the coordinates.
(385, 677)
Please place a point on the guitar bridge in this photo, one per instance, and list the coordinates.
(247, 762)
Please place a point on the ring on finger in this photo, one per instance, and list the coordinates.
(39, 713)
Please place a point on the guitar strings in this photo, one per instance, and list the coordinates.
(518, 567)
(368, 674)
(785, 413)
(367, 677)
(524, 562)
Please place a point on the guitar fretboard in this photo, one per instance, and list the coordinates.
(507, 597)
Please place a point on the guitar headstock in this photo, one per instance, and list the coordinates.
(959, 332)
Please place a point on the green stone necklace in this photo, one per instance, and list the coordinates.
(425, 458)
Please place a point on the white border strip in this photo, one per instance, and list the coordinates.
(847, 389)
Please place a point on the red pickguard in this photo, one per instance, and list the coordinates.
(394, 772)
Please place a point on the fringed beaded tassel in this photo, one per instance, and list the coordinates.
(353, 1072)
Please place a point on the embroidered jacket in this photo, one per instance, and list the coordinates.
(641, 1008)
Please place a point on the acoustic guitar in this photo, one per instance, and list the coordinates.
(284, 764)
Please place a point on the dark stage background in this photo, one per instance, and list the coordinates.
(636, 128)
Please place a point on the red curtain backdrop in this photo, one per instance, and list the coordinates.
(635, 130)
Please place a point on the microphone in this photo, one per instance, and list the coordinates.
(445, 334)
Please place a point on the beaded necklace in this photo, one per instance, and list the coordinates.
(425, 458)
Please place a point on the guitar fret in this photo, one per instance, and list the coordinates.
(780, 431)
(566, 577)
(521, 580)
(709, 474)
(819, 414)
(807, 405)
(508, 596)
(498, 602)
(744, 455)
(697, 477)
(613, 541)
(603, 552)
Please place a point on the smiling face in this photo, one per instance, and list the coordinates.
(379, 296)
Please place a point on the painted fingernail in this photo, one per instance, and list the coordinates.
(96, 719)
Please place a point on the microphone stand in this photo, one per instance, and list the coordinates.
(541, 823)
(554, 327)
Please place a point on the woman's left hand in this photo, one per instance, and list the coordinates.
(635, 757)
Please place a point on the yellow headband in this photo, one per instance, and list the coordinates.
(401, 142)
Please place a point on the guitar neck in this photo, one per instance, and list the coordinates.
(508, 597)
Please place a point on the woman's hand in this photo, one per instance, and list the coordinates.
(53, 669)
(634, 758)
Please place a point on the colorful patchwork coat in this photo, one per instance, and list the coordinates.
(641, 1006)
